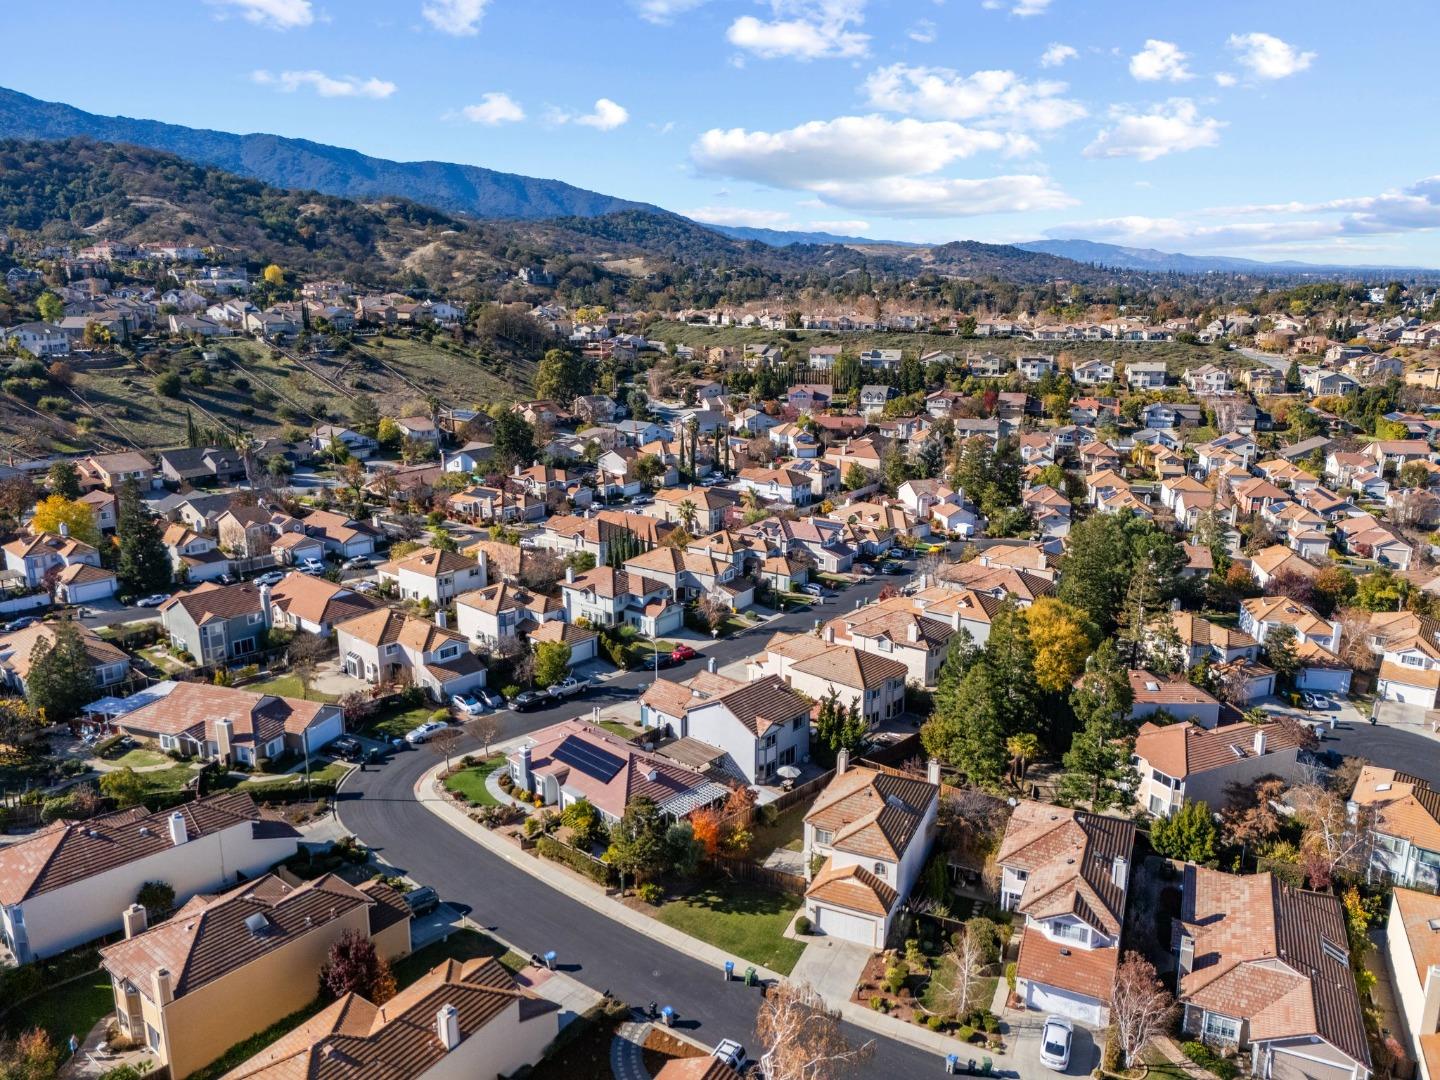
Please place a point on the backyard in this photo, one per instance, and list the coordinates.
(461, 945)
(138, 758)
(72, 1008)
(288, 686)
(469, 782)
(740, 918)
(787, 831)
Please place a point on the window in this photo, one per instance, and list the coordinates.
(255, 618)
(880, 869)
(795, 724)
(824, 836)
(1067, 931)
(1221, 1028)
(1158, 806)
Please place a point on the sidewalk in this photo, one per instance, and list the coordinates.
(572, 885)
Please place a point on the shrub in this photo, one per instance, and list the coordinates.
(991, 1024)
(895, 977)
(877, 1002)
(650, 893)
(1011, 971)
(966, 1033)
(51, 404)
(934, 1023)
(802, 924)
(168, 384)
(1206, 1058)
(576, 860)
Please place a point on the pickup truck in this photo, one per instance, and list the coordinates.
(569, 687)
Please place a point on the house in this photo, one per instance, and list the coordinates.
(1269, 563)
(343, 536)
(871, 683)
(1145, 374)
(606, 596)
(468, 1018)
(1260, 614)
(470, 458)
(80, 583)
(386, 646)
(1093, 372)
(330, 437)
(419, 429)
(784, 485)
(297, 548)
(573, 761)
(308, 604)
(699, 510)
(33, 558)
(194, 558)
(1207, 379)
(1404, 823)
(434, 575)
(1412, 942)
(1173, 695)
(1068, 873)
(896, 628)
(694, 573)
(873, 827)
(1035, 368)
(38, 339)
(69, 882)
(244, 531)
(104, 506)
(873, 398)
(218, 623)
(1180, 763)
(1200, 641)
(201, 465)
(759, 726)
(114, 471)
(109, 664)
(188, 999)
(1265, 967)
(500, 615)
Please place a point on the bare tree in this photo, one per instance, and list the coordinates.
(1140, 1007)
(486, 729)
(305, 652)
(1334, 841)
(442, 743)
(801, 1038)
(967, 960)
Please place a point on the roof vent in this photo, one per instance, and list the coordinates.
(1064, 952)
(1434, 924)
(257, 924)
(1382, 787)
(145, 830)
(1153, 687)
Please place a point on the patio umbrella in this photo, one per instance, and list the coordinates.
(789, 772)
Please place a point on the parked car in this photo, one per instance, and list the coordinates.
(893, 567)
(356, 563)
(364, 586)
(153, 600)
(1315, 701)
(20, 623)
(424, 733)
(469, 704)
(1055, 1039)
(312, 566)
(812, 589)
(682, 652)
(422, 901)
(347, 747)
(270, 577)
(489, 697)
(530, 699)
(662, 660)
(569, 687)
(731, 1053)
(865, 569)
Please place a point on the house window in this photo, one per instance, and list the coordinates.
(255, 617)
(880, 869)
(1158, 806)
(824, 836)
(392, 648)
(1066, 931)
(244, 646)
(795, 724)
(1222, 1028)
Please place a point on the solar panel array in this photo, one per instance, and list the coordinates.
(590, 760)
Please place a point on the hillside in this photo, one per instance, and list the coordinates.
(300, 163)
(1150, 259)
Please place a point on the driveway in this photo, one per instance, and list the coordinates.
(1024, 1042)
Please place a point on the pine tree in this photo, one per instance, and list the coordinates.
(192, 434)
(64, 480)
(61, 681)
(144, 565)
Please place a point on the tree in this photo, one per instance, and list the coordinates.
(1249, 816)
(1280, 652)
(352, 966)
(1140, 1006)
(273, 275)
(125, 786)
(1293, 585)
(1381, 590)
(837, 727)
(64, 480)
(442, 743)
(1333, 841)
(966, 729)
(61, 681)
(1332, 588)
(514, 440)
(144, 564)
(856, 476)
(552, 662)
(1413, 474)
(78, 518)
(961, 996)
(158, 900)
(1096, 569)
(485, 729)
(365, 415)
(1023, 749)
(32, 1056)
(1189, 834)
(50, 307)
(705, 826)
(562, 376)
(801, 1038)
(18, 495)
(1062, 639)
(637, 841)
(389, 434)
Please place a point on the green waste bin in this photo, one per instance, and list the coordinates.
(750, 978)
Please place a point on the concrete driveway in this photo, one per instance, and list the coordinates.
(1024, 1056)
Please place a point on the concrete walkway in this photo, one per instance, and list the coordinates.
(585, 892)
(627, 1058)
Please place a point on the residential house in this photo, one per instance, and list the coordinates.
(201, 465)
(1067, 872)
(1175, 696)
(105, 506)
(1402, 813)
(386, 646)
(343, 536)
(606, 596)
(114, 471)
(1093, 372)
(896, 628)
(1145, 374)
(873, 828)
(783, 485)
(1269, 563)
(699, 510)
(329, 437)
(307, 604)
(434, 575)
(193, 557)
(1207, 379)
(39, 339)
(1180, 763)
(109, 664)
(33, 558)
(866, 681)
(245, 531)
(1199, 641)
(503, 615)
(70, 882)
(1412, 942)
(218, 623)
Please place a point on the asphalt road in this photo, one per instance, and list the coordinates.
(1392, 747)
(379, 807)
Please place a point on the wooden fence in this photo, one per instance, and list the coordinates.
(764, 876)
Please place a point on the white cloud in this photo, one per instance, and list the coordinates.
(1160, 60)
(1224, 78)
(494, 108)
(1267, 57)
(1174, 126)
(662, 11)
(1023, 8)
(803, 30)
(924, 31)
(988, 98)
(275, 14)
(325, 85)
(458, 17)
(605, 116)
(844, 225)
(848, 148)
(740, 216)
(1057, 54)
(943, 197)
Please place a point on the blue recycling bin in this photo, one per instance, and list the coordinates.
(729, 970)
(667, 1015)
(550, 959)
(952, 1063)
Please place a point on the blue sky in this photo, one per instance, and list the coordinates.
(1271, 128)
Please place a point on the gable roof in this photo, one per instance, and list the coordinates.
(316, 600)
(870, 812)
(1183, 749)
(1069, 857)
(211, 601)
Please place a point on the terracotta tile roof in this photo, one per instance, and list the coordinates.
(384, 626)
(671, 698)
(852, 667)
(852, 887)
(429, 562)
(1193, 630)
(68, 852)
(355, 1040)
(1273, 955)
(796, 647)
(899, 620)
(494, 599)
(191, 709)
(559, 630)
(211, 601)
(1088, 972)
(758, 705)
(316, 600)
(1410, 676)
(1279, 559)
(1151, 689)
(1183, 749)
(17, 648)
(1283, 610)
(999, 580)
(1069, 859)
(1404, 806)
(1419, 915)
(65, 546)
(388, 906)
(211, 936)
(871, 812)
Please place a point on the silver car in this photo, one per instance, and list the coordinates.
(1055, 1040)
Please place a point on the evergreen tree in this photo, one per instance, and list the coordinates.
(837, 728)
(61, 680)
(966, 728)
(192, 433)
(365, 415)
(144, 565)
(1097, 765)
(514, 440)
(637, 841)
(64, 480)
(1188, 834)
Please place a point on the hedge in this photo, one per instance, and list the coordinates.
(576, 860)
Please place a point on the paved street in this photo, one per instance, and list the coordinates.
(1387, 745)
(379, 806)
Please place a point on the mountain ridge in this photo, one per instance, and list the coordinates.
(1137, 258)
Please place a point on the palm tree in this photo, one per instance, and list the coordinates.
(688, 515)
(1022, 749)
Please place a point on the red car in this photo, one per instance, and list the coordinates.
(681, 653)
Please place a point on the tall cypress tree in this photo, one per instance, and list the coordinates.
(144, 565)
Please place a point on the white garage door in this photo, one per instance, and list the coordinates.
(1048, 999)
(1326, 680)
(325, 731)
(844, 924)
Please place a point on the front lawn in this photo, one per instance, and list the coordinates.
(788, 832)
(288, 686)
(394, 723)
(71, 1009)
(469, 782)
(940, 980)
(461, 945)
(171, 779)
(615, 727)
(740, 918)
(139, 758)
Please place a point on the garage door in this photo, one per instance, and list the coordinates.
(844, 924)
(1048, 999)
(326, 730)
(1326, 680)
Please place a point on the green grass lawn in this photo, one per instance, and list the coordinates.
(470, 783)
(939, 985)
(171, 779)
(461, 945)
(71, 1009)
(741, 919)
(615, 727)
(788, 832)
(288, 686)
(139, 758)
(395, 724)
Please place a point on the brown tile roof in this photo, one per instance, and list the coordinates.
(1069, 858)
(192, 709)
(213, 601)
(1404, 805)
(20, 647)
(761, 703)
(872, 812)
(355, 1040)
(66, 546)
(430, 562)
(1194, 630)
(852, 667)
(1281, 609)
(997, 579)
(67, 852)
(1151, 689)
(1419, 916)
(852, 887)
(559, 630)
(670, 698)
(1183, 749)
(896, 620)
(1279, 559)
(384, 626)
(494, 599)
(388, 907)
(211, 936)
(1090, 972)
(316, 600)
(1273, 955)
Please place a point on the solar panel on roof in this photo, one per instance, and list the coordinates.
(590, 760)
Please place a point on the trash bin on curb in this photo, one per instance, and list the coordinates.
(667, 1015)
(952, 1064)
(550, 959)
(729, 970)
(750, 977)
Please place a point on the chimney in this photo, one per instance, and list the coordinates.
(1430, 1007)
(569, 574)
(1187, 954)
(912, 631)
(64, 529)
(164, 987)
(829, 635)
(447, 1027)
(932, 771)
(525, 779)
(135, 920)
(710, 665)
(842, 761)
(442, 618)
(1120, 872)
(224, 740)
(265, 605)
(1259, 742)
(179, 834)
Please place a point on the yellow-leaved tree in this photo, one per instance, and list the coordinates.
(274, 275)
(1062, 638)
(78, 519)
